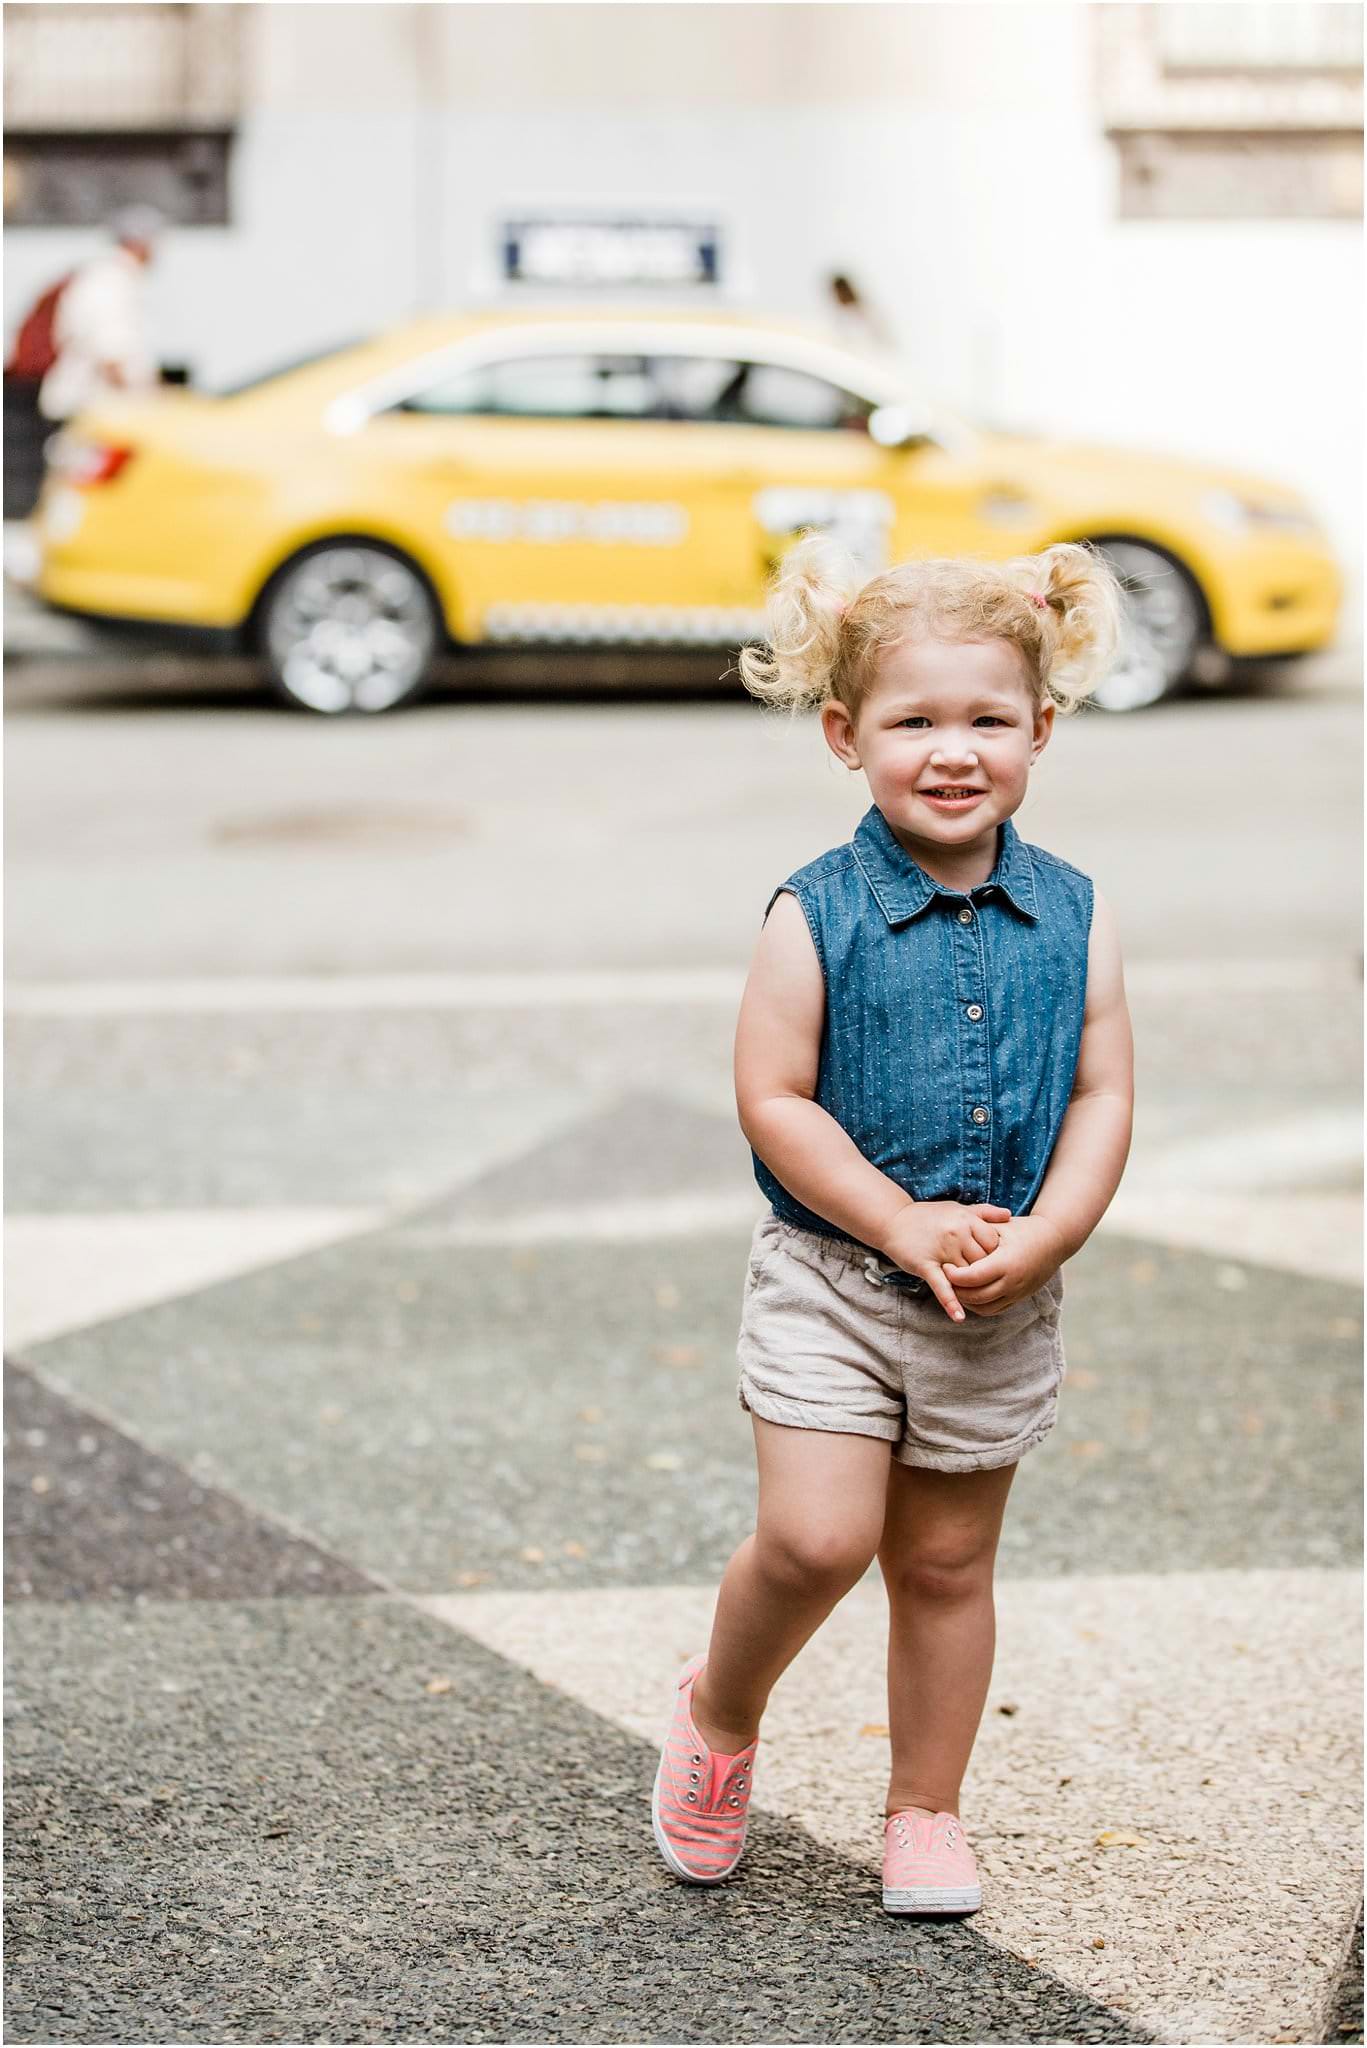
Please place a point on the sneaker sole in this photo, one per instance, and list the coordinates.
(933, 1899)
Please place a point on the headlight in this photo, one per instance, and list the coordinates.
(1235, 514)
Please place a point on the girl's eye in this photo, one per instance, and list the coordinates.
(988, 718)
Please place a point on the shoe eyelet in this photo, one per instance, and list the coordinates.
(695, 1759)
(735, 1802)
(692, 1798)
(695, 1777)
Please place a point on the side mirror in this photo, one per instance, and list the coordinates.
(898, 426)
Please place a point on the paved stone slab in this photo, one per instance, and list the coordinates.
(65, 1272)
(245, 1138)
(635, 1147)
(438, 1409)
(91, 1515)
(1208, 1720)
(316, 1821)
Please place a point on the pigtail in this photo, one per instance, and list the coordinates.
(1083, 614)
(811, 591)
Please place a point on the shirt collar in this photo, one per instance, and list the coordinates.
(903, 890)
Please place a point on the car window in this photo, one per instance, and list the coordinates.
(772, 395)
(553, 387)
(732, 392)
(698, 387)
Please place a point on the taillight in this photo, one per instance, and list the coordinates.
(87, 462)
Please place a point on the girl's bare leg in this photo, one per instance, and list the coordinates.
(822, 1507)
(937, 1552)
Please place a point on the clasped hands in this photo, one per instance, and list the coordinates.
(978, 1254)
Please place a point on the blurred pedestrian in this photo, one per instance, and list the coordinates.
(853, 319)
(99, 326)
(933, 1067)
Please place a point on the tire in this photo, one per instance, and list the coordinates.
(348, 626)
(1165, 626)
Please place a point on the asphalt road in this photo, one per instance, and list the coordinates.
(377, 1228)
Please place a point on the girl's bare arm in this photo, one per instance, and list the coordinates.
(1094, 1139)
(778, 1047)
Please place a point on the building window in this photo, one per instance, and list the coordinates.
(1233, 111)
(107, 105)
(73, 181)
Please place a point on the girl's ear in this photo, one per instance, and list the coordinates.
(1044, 727)
(838, 727)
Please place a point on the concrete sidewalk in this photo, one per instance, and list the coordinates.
(351, 1556)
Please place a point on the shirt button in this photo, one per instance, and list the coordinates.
(975, 1011)
(965, 917)
(980, 1115)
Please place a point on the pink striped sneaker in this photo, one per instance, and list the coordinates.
(928, 1867)
(701, 1803)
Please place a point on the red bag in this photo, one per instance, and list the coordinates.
(35, 348)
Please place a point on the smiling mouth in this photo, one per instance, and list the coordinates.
(951, 793)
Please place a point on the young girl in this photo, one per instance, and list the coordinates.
(934, 1071)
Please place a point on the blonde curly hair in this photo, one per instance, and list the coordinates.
(829, 621)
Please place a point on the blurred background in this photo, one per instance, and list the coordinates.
(377, 1210)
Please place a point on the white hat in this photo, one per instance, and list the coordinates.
(137, 224)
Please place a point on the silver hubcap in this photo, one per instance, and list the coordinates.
(350, 629)
(1161, 631)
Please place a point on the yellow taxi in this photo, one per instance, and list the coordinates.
(619, 478)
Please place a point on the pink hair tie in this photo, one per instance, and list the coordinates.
(1036, 597)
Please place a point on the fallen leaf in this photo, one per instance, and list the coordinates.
(874, 1728)
(437, 1685)
(531, 1555)
(590, 1454)
(663, 1461)
(1251, 1422)
(676, 1354)
(1116, 1838)
(1345, 1326)
(573, 1549)
(40, 1483)
(471, 1578)
(1065, 1781)
(1088, 1635)
(1008, 1707)
(1081, 1379)
(1090, 1447)
(1143, 1272)
(590, 1414)
(407, 1290)
(667, 1295)
(1099, 1942)
(308, 1322)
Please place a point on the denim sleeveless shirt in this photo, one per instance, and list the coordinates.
(953, 1019)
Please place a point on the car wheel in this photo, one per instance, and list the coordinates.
(348, 627)
(1164, 626)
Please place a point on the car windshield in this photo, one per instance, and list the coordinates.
(277, 370)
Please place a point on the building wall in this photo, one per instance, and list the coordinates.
(950, 157)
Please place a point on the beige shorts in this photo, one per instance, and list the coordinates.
(824, 1344)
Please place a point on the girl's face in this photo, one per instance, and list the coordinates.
(945, 715)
